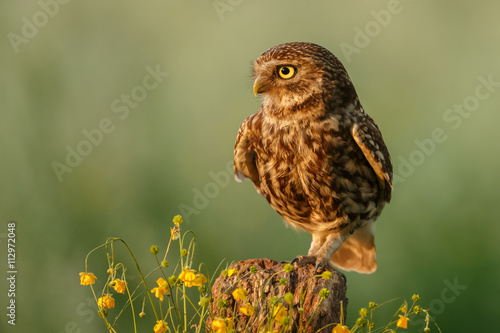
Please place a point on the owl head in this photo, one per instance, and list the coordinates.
(294, 76)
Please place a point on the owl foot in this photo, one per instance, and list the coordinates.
(303, 260)
(321, 265)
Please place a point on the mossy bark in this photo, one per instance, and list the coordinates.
(307, 312)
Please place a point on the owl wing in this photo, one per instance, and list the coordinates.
(369, 139)
(244, 154)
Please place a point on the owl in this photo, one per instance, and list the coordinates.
(315, 154)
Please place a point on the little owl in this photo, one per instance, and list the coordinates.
(315, 155)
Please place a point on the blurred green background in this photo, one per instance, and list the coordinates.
(421, 69)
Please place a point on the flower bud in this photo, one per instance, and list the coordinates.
(289, 298)
(172, 280)
(361, 322)
(288, 268)
(103, 313)
(178, 220)
(324, 293)
(203, 302)
(222, 303)
(154, 249)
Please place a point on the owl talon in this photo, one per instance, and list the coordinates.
(320, 267)
(323, 265)
(303, 260)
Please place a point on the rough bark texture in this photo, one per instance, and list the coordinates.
(265, 284)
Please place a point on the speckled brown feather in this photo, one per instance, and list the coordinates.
(315, 155)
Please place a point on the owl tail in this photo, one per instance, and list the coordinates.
(358, 253)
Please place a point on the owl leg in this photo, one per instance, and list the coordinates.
(331, 244)
(316, 243)
(321, 250)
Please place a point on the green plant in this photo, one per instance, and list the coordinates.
(174, 310)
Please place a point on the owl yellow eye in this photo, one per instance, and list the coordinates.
(286, 72)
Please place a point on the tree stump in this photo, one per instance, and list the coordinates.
(266, 287)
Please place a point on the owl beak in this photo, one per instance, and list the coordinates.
(258, 87)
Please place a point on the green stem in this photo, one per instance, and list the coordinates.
(185, 308)
(140, 273)
(132, 308)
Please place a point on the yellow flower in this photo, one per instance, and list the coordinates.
(188, 277)
(402, 322)
(178, 220)
(341, 329)
(232, 271)
(106, 301)
(174, 233)
(279, 313)
(199, 280)
(240, 294)
(248, 309)
(219, 325)
(87, 278)
(119, 286)
(161, 289)
(160, 327)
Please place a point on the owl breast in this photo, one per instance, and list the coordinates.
(312, 175)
